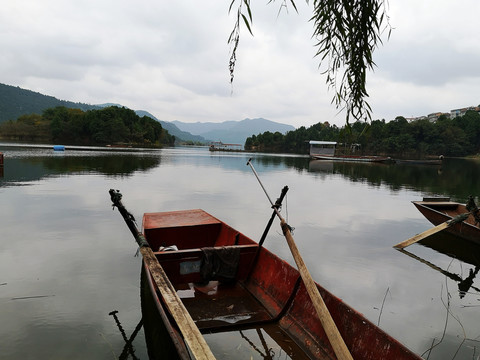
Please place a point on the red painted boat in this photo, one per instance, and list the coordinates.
(229, 283)
(439, 210)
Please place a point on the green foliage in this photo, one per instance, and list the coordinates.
(399, 138)
(347, 33)
(26, 127)
(111, 125)
(293, 141)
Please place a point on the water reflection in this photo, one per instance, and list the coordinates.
(455, 248)
(455, 177)
(128, 349)
(34, 163)
(460, 263)
(20, 170)
(347, 217)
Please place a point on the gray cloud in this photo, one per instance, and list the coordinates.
(171, 59)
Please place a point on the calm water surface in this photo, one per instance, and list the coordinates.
(68, 270)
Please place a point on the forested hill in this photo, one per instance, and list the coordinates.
(15, 102)
(400, 138)
(111, 125)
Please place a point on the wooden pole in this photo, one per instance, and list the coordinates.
(430, 232)
(331, 330)
(191, 334)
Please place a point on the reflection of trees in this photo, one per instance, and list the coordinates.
(299, 163)
(103, 164)
(457, 178)
(35, 168)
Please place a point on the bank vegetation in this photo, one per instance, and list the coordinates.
(400, 138)
(112, 125)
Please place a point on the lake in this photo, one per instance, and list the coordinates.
(70, 277)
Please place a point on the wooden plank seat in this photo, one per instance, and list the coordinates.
(183, 266)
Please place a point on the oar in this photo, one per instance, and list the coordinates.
(191, 334)
(430, 232)
(331, 330)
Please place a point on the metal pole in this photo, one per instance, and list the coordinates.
(249, 162)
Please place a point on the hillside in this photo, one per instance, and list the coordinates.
(15, 102)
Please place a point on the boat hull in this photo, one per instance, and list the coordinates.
(380, 159)
(266, 291)
(419, 162)
(438, 212)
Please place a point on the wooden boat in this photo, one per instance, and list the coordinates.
(227, 282)
(326, 150)
(440, 210)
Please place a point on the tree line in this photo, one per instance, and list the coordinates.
(459, 136)
(111, 125)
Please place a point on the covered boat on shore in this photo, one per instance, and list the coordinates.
(227, 282)
(440, 210)
(326, 150)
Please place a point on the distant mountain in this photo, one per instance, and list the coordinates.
(15, 102)
(233, 131)
(182, 135)
(173, 129)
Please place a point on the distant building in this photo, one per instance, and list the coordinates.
(450, 115)
(434, 116)
(460, 112)
(416, 118)
(218, 145)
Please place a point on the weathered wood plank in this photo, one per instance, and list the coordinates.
(191, 334)
(331, 330)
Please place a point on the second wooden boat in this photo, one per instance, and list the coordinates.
(440, 210)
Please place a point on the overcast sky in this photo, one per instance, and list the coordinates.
(171, 58)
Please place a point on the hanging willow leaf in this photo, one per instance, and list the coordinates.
(247, 24)
(347, 32)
